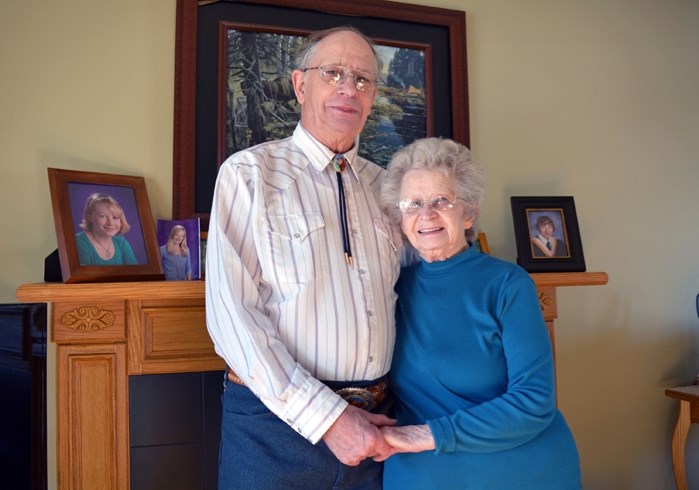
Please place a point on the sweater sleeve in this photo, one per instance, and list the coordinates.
(528, 405)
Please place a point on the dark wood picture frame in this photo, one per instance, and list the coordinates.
(531, 213)
(196, 120)
(69, 189)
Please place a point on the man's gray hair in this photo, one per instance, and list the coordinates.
(307, 48)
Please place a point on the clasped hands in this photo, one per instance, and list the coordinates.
(357, 435)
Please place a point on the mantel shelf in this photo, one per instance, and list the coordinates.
(49, 292)
(555, 279)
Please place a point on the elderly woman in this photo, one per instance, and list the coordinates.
(472, 370)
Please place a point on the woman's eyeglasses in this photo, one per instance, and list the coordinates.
(337, 74)
(438, 203)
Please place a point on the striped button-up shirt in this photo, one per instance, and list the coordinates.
(283, 307)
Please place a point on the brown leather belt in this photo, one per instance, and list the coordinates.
(364, 397)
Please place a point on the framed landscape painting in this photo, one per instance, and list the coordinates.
(234, 56)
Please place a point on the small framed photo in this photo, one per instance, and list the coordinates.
(547, 234)
(104, 227)
(179, 241)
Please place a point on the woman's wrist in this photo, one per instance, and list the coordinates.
(425, 437)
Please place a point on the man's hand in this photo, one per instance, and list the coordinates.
(355, 436)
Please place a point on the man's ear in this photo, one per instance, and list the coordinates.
(299, 82)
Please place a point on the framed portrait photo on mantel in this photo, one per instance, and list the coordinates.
(104, 227)
(547, 234)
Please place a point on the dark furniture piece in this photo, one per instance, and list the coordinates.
(23, 386)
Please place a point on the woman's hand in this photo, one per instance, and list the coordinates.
(409, 438)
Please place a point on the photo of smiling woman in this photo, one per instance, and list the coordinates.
(102, 241)
(175, 255)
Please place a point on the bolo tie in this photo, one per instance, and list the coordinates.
(340, 164)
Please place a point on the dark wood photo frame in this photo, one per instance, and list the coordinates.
(559, 248)
(70, 191)
(197, 133)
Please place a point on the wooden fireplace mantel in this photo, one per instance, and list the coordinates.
(106, 332)
(103, 334)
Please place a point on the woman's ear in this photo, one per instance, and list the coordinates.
(469, 216)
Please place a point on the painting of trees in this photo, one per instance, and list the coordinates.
(261, 106)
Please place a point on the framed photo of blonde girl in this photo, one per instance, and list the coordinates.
(104, 227)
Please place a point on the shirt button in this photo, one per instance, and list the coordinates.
(355, 232)
(362, 271)
(370, 313)
(371, 358)
(297, 235)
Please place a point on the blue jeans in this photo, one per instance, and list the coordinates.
(260, 451)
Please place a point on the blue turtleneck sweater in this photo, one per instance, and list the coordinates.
(473, 360)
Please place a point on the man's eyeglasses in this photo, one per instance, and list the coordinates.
(438, 203)
(336, 75)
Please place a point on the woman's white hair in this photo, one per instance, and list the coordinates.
(438, 154)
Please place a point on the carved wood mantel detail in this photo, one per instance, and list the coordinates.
(88, 318)
(106, 332)
(545, 301)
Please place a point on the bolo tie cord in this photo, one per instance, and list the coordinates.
(339, 164)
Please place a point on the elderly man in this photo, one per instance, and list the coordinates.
(301, 265)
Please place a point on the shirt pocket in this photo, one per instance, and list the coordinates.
(296, 251)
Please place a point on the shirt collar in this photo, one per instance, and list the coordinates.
(319, 154)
